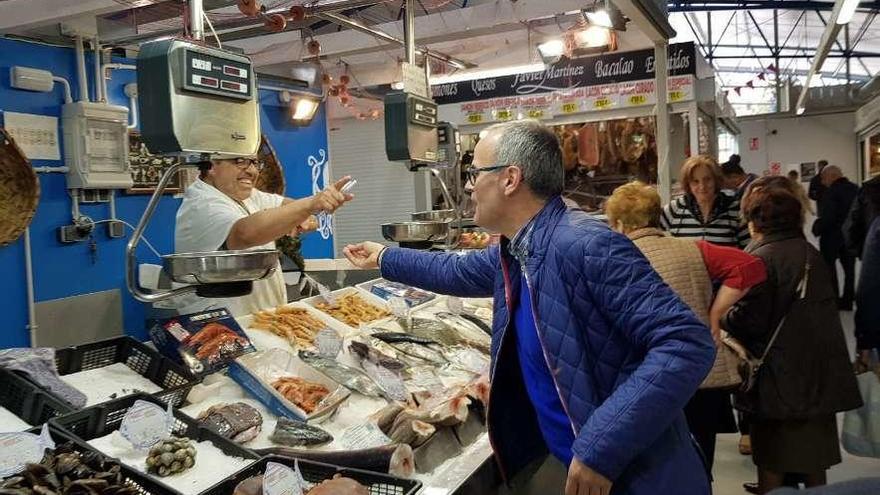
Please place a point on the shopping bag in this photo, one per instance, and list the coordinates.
(861, 427)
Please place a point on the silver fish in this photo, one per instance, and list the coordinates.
(351, 378)
(419, 351)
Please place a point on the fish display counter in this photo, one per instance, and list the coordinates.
(416, 381)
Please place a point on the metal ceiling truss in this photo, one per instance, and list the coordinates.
(717, 5)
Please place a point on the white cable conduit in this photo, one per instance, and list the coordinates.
(100, 94)
(82, 81)
(68, 98)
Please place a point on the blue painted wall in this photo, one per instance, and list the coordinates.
(63, 270)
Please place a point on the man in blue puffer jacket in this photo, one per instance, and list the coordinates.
(593, 356)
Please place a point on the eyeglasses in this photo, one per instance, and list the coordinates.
(474, 172)
(244, 163)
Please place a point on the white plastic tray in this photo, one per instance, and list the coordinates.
(365, 295)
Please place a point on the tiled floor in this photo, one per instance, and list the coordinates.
(732, 469)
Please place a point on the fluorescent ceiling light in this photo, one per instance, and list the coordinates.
(552, 48)
(846, 11)
(303, 109)
(600, 18)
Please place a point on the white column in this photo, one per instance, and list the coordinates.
(661, 113)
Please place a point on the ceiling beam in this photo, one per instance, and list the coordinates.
(22, 15)
(717, 5)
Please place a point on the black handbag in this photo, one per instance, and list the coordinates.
(750, 367)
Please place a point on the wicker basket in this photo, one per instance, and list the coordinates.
(19, 190)
(271, 179)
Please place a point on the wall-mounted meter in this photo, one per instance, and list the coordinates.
(410, 128)
(96, 145)
(196, 99)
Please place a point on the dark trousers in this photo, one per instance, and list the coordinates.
(831, 253)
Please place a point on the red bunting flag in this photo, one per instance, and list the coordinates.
(761, 76)
(737, 89)
(749, 84)
(772, 68)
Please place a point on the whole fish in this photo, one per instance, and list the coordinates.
(468, 333)
(298, 434)
(478, 322)
(352, 378)
(433, 329)
(419, 351)
(395, 337)
(365, 351)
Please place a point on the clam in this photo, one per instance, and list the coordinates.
(171, 456)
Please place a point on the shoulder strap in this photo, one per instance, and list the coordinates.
(800, 293)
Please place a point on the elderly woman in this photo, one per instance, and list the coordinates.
(704, 212)
(806, 376)
(690, 268)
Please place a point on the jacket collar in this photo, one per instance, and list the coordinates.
(774, 237)
(721, 205)
(646, 232)
(530, 243)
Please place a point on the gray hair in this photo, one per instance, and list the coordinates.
(532, 147)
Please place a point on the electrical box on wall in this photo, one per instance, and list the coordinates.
(96, 145)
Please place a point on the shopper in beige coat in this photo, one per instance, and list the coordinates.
(690, 268)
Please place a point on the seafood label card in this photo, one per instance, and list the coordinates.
(20, 448)
(146, 423)
(391, 383)
(363, 436)
(455, 305)
(328, 342)
(398, 306)
(326, 294)
(281, 480)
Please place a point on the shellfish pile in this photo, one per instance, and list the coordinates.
(171, 456)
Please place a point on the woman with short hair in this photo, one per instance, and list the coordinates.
(704, 212)
(690, 268)
(806, 377)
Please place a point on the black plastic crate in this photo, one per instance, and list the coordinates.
(143, 484)
(316, 472)
(103, 419)
(26, 400)
(174, 379)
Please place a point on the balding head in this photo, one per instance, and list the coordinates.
(830, 174)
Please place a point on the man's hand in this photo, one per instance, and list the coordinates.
(330, 198)
(584, 481)
(364, 255)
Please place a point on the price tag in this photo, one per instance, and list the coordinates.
(638, 99)
(676, 95)
(326, 294)
(145, 423)
(281, 480)
(21, 448)
(474, 118)
(391, 383)
(503, 114)
(536, 113)
(424, 378)
(455, 305)
(328, 342)
(363, 436)
(602, 103)
(398, 306)
(569, 107)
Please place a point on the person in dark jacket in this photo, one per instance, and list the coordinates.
(735, 177)
(593, 356)
(834, 208)
(816, 186)
(867, 317)
(864, 210)
(807, 376)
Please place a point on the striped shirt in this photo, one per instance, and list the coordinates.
(682, 218)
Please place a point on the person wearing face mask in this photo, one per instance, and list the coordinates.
(703, 212)
(593, 355)
(222, 210)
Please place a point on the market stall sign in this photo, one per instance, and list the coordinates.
(608, 68)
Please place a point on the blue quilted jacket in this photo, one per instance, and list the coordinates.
(625, 352)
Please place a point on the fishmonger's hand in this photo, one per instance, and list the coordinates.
(330, 199)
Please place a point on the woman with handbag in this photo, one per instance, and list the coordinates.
(799, 373)
(690, 268)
